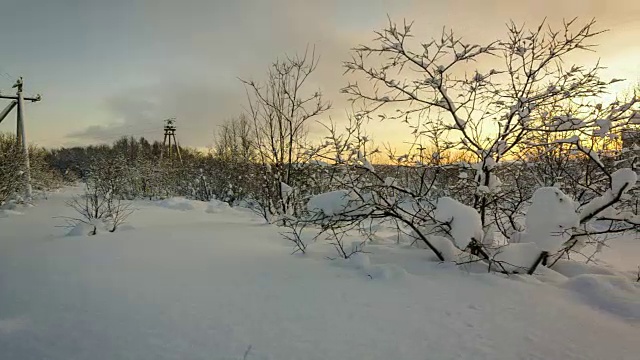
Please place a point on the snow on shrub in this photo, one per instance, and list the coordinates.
(464, 221)
(332, 203)
(549, 218)
(517, 257)
(444, 246)
(623, 180)
(285, 190)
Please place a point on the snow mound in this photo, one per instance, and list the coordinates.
(445, 246)
(216, 206)
(571, 269)
(80, 229)
(362, 263)
(177, 203)
(85, 229)
(518, 257)
(464, 221)
(7, 212)
(331, 203)
(613, 294)
(386, 272)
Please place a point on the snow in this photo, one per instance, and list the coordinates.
(571, 268)
(623, 253)
(446, 248)
(614, 294)
(464, 221)
(285, 190)
(81, 229)
(574, 139)
(622, 181)
(518, 257)
(216, 206)
(549, 219)
(625, 177)
(564, 123)
(196, 285)
(176, 203)
(365, 163)
(604, 127)
(7, 212)
(331, 203)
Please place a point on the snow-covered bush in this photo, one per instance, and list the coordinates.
(536, 173)
(11, 164)
(12, 169)
(96, 210)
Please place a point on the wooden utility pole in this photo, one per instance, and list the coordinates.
(169, 133)
(21, 137)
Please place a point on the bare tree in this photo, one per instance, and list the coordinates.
(281, 109)
(105, 189)
(494, 100)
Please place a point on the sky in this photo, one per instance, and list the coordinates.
(119, 67)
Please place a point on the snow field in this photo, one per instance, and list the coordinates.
(188, 282)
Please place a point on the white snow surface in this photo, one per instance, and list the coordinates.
(176, 203)
(196, 285)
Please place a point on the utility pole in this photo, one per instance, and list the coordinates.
(18, 101)
(169, 133)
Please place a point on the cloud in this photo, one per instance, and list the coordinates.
(202, 46)
(199, 108)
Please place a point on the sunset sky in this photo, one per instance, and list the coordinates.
(118, 67)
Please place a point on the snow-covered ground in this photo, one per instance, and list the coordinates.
(193, 280)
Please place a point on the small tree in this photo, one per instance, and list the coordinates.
(280, 110)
